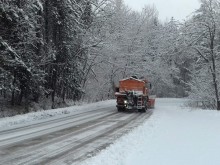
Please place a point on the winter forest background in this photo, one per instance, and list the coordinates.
(60, 50)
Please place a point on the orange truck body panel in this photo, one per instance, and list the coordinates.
(132, 85)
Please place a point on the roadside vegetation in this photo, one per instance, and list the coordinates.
(53, 52)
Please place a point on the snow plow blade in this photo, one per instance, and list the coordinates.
(151, 101)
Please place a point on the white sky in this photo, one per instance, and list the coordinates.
(179, 9)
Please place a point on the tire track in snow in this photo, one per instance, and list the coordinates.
(21, 134)
(74, 143)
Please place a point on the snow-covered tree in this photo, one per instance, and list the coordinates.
(42, 48)
(18, 47)
(203, 39)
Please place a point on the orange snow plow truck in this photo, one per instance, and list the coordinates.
(133, 94)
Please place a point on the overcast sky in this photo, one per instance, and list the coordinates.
(179, 9)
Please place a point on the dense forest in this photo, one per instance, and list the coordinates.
(62, 50)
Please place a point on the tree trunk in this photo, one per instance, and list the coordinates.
(26, 101)
(218, 105)
(64, 94)
(214, 69)
(13, 91)
(54, 80)
(21, 96)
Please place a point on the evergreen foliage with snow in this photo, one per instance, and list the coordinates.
(80, 49)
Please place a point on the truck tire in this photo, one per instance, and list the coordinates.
(145, 107)
(143, 110)
(120, 109)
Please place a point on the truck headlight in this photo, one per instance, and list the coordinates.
(125, 101)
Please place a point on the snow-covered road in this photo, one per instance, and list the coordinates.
(173, 135)
(66, 139)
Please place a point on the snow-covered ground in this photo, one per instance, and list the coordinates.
(36, 117)
(172, 136)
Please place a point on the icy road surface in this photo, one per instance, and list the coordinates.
(68, 139)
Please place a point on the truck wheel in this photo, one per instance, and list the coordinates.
(119, 109)
(144, 109)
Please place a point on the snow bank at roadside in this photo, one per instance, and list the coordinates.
(53, 113)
